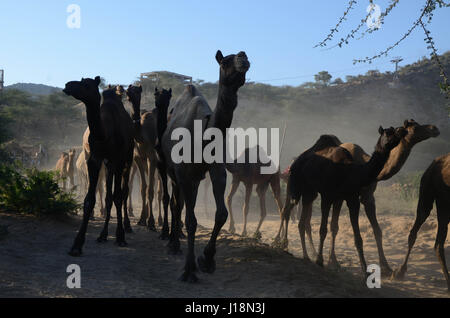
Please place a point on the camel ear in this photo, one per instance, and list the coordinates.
(109, 86)
(380, 130)
(219, 56)
(156, 89)
(405, 123)
(129, 86)
(97, 80)
(170, 91)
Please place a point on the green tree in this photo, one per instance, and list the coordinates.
(323, 78)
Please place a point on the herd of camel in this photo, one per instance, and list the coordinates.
(117, 143)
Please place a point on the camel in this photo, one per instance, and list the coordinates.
(65, 167)
(415, 133)
(434, 187)
(111, 140)
(145, 155)
(81, 165)
(186, 176)
(332, 172)
(250, 174)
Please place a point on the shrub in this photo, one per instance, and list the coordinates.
(30, 191)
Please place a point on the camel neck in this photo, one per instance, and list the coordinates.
(161, 121)
(223, 113)
(396, 160)
(136, 111)
(94, 122)
(374, 166)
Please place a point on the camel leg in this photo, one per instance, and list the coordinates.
(443, 215)
(144, 212)
(150, 194)
(284, 223)
(189, 190)
(334, 227)
(176, 205)
(245, 208)
(306, 210)
(162, 171)
(261, 191)
(100, 189)
(424, 207)
(109, 201)
(89, 204)
(369, 206)
(325, 207)
(276, 191)
(206, 185)
(218, 176)
(118, 202)
(130, 187)
(159, 196)
(233, 189)
(353, 206)
(308, 225)
(125, 192)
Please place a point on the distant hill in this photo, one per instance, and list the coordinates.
(34, 89)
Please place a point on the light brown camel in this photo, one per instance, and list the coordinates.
(332, 172)
(250, 174)
(111, 140)
(415, 133)
(83, 176)
(65, 168)
(190, 109)
(434, 187)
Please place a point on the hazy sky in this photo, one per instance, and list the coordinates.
(120, 39)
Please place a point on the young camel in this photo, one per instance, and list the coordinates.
(434, 187)
(145, 155)
(191, 109)
(65, 167)
(332, 172)
(415, 133)
(111, 141)
(250, 174)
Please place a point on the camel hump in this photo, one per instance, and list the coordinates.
(358, 154)
(326, 141)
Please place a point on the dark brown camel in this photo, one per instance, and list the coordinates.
(397, 157)
(332, 172)
(111, 141)
(250, 174)
(434, 187)
(186, 176)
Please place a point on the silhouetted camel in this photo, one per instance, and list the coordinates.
(250, 174)
(111, 140)
(332, 172)
(186, 176)
(397, 157)
(434, 187)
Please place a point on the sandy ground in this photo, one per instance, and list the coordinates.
(33, 261)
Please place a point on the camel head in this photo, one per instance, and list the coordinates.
(85, 90)
(417, 133)
(134, 94)
(162, 98)
(389, 138)
(232, 69)
(113, 92)
(72, 153)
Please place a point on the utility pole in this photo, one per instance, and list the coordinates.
(1, 79)
(395, 61)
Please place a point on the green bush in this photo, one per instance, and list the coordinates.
(30, 191)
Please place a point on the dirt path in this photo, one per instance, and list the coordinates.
(33, 262)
